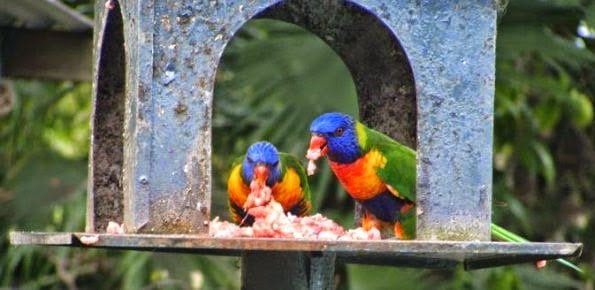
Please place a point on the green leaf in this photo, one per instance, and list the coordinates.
(378, 277)
(505, 278)
(548, 169)
(580, 108)
(590, 15)
(133, 268)
(548, 115)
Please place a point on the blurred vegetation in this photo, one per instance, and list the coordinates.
(273, 80)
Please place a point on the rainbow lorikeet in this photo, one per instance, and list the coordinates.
(376, 171)
(264, 165)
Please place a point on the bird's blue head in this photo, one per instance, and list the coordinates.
(335, 135)
(262, 164)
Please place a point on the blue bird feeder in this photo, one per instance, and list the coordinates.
(424, 73)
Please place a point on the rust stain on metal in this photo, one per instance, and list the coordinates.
(202, 83)
(181, 108)
(168, 218)
(166, 23)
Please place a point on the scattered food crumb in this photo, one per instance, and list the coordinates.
(540, 264)
(110, 4)
(312, 156)
(311, 167)
(89, 240)
(115, 228)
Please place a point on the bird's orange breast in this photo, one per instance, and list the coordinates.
(360, 178)
(288, 192)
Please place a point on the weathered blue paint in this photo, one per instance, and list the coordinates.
(418, 65)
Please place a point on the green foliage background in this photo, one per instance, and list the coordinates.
(273, 80)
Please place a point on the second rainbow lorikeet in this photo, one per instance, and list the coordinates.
(281, 172)
(376, 171)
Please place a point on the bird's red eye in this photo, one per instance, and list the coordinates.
(338, 132)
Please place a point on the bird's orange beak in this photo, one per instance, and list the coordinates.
(261, 173)
(318, 144)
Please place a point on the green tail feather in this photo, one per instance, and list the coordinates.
(508, 236)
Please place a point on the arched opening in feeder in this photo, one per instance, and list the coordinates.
(273, 79)
(382, 78)
(372, 52)
(105, 198)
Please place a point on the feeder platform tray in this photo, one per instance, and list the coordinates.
(423, 254)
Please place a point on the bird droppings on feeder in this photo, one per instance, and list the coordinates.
(270, 221)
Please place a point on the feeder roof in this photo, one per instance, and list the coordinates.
(42, 15)
(44, 39)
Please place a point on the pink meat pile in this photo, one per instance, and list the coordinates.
(271, 222)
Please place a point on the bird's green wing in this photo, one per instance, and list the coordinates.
(399, 171)
(237, 161)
